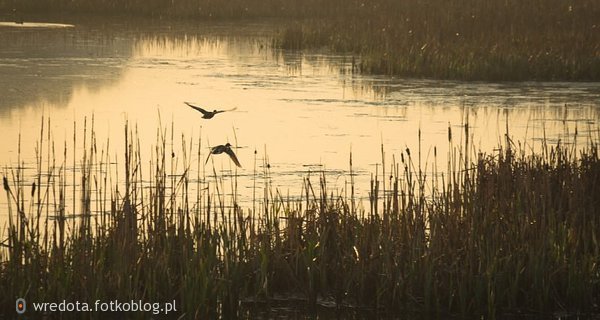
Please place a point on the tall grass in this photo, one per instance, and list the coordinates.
(462, 39)
(504, 233)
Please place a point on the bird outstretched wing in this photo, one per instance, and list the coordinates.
(219, 111)
(197, 108)
(233, 157)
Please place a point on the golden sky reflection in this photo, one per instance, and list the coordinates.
(302, 110)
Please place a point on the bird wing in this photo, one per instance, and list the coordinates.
(197, 108)
(212, 150)
(233, 157)
(228, 109)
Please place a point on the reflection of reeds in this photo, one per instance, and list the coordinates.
(504, 233)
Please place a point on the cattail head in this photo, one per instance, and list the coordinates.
(5, 183)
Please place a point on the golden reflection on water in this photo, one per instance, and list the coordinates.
(304, 111)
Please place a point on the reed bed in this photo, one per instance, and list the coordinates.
(453, 39)
(501, 234)
(461, 39)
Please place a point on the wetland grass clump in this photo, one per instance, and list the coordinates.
(461, 39)
(501, 234)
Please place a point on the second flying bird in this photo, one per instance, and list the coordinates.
(227, 149)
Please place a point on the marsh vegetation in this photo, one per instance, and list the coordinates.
(506, 233)
(473, 232)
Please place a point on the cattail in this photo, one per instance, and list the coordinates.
(32, 189)
(5, 182)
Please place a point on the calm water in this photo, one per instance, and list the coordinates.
(300, 111)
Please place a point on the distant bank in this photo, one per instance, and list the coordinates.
(498, 40)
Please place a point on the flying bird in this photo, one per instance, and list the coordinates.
(224, 148)
(205, 113)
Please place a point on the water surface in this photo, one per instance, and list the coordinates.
(298, 112)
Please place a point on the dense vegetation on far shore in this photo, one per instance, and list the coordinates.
(454, 39)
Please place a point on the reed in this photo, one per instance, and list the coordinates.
(460, 39)
(507, 233)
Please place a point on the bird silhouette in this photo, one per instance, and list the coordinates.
(224, 148)
(205, 113)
